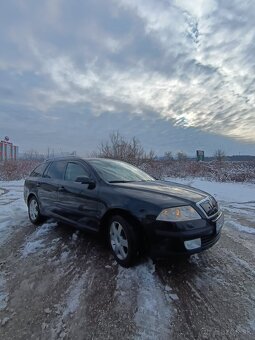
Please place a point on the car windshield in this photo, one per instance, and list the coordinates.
(118, 172)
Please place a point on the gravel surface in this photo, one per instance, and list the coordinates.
(58, 283)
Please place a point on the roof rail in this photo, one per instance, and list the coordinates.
(60, 157)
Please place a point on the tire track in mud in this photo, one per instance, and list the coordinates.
(49, 286)
(85, 309)
(28, 279)
(39, 280)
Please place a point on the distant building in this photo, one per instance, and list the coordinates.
(8, 151)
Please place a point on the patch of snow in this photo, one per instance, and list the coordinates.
(241, 262)
(3, 293)
(69, 306)
(44, 326)
(47, 310)
(13, 209)
(45, 228)
(75, 236)
(240, 227)
(64, 255)
(252, 324)
(244, 209)
(73, 298)
(4, 321)
(174, 297)
(36, 241)
(154, 311)
(167, 288)
(32, 247)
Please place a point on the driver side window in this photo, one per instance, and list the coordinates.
(74, 170)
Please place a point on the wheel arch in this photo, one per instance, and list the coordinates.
(123, 213)
(30, 196)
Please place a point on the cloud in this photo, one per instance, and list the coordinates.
(188, 64)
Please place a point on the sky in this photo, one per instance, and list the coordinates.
(178, 75)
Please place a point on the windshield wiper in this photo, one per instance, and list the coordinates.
(120, 181)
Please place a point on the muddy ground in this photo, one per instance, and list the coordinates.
(57, 283)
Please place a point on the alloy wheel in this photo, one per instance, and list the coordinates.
(33, 209)
(118, 240)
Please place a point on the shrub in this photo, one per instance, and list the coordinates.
(15, 170)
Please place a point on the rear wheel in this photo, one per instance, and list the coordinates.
(34, 211)
(123, 241)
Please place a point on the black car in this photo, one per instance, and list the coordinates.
(132, 209)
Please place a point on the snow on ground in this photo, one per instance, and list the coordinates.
(69, 306)
(154, 310)
(241, 228)
(37, 240)
(12, 208)
(3, 292)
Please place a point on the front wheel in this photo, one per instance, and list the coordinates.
(123, 241)
(34, 211)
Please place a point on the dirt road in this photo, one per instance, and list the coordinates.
(57, 283)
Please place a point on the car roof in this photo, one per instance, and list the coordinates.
(76, 158)
(62, 158)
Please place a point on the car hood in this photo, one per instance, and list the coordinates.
(166, 188)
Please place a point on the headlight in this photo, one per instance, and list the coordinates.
(185, 213)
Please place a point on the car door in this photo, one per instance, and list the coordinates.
(49, 185)
(33, 183)
(77, 201)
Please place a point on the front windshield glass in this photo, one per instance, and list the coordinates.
(115, 171)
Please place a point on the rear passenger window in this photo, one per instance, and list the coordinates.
(56, 170)
(75, 170)
(39, 170)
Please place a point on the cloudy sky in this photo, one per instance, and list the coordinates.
(178, 75)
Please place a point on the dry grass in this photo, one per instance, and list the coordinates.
(15, 170)
(218, 171)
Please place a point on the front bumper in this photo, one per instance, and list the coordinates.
(168, 239)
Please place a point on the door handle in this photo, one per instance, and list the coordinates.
(61, 188)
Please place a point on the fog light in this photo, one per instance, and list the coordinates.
(193, 244)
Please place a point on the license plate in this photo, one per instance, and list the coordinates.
(219, 223)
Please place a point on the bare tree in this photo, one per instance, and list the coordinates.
(117, 147)
(219, 155)
(181, 156)
(150, 156)
(33, 155)
(168, 156)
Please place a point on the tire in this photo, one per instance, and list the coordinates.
(34, 211)
(123, 241)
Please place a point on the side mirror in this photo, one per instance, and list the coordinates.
(86, 180)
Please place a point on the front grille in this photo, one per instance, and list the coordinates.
(209, 240)
(209, 206)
